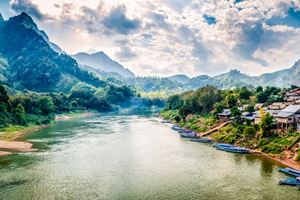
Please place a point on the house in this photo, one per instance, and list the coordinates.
(289, 118)
(292, 95)
(257, 115)
(277, 106)
(224, 115)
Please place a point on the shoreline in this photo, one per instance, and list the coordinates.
(288, 162)
(10, 141)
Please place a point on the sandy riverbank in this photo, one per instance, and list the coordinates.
(9, 143)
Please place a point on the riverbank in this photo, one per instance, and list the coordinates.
(283, 158)
(9, 137)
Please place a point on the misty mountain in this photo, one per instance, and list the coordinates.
(30, 61)
(102, 63)
(180, 78)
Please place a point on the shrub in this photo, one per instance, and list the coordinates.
(249, 131)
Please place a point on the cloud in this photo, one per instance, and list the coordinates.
(117, 20)
(176, 36)
(28, 7)
(125, 53)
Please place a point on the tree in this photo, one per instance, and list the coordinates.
(219, 106)
(46, 105)
(250, 109)
(261, 97)
(19, 112)
(249, 131)
(231, 100)
(3, 95)
(266, 123)
(244, 93)
(259, 89)
(235, 112)
(174, 102)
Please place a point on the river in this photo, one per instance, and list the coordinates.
(133, 156)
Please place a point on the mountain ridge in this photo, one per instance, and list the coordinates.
(102, 62)
(32, 62)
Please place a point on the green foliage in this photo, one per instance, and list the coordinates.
(231, 100)
(244, 93)
(46, 105)
(249, 131)
(266, 124)
(228, 134)
(200, 101)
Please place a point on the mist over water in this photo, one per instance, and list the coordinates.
(133, 156)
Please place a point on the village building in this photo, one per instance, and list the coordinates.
(278, 106)
(257, 115)
(224, 115)
(289, 118)
(292, 95)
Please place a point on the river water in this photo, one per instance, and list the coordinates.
(133, 156)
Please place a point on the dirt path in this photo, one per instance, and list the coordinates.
(213, 130)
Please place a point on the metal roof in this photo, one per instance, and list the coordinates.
(292, 108)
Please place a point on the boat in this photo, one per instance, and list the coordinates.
(290, 181)
(202, 140)
(176, 128)
(165, 121)
(223, 145)
(233, 149)
(188, 135)
(290, 171)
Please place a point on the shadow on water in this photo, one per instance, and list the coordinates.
(12, 183)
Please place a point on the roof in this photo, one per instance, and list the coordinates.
(272, 112)
(288, 111)
(226, 112)
(292, 108)
(278, 103)
(284, 114)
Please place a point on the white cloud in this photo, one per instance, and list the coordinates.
(167, 37)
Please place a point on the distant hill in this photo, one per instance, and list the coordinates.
(234, 78)
(180, 78)
(30, 61)
(102, 63)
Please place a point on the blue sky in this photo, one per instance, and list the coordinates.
(167, 37)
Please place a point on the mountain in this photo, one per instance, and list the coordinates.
(32, 62)
(282, 78)
(155, 84)
(180, 78)
(101, 62)
(234, 78)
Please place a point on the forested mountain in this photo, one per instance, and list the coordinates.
(30, 61)
(180, 78)
(100, 62)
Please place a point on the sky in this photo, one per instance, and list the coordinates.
(167, 37)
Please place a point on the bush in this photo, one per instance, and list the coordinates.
(249, 131)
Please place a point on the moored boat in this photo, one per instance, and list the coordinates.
(202, 140)
(188, 135)
(233, 149)
(290, 171)
(223, 145)
(290, 181)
